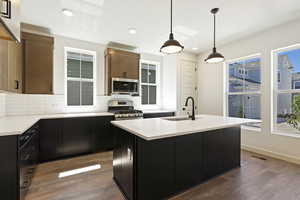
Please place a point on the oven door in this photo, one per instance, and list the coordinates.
(125, 86)
(28, 154)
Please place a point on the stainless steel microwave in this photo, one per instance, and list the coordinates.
(125, 86)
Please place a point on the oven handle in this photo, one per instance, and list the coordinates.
(27, 141)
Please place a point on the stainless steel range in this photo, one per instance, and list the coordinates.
(124, 110)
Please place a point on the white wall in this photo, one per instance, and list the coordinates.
(169, 82)
(172, 79)
(211, 88)
(2, 104)
(59, 69)
(21, 104)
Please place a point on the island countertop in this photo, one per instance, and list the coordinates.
(158, 128)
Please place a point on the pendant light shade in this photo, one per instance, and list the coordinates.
(171, 46)
(215, 57)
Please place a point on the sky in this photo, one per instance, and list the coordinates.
(294, 57)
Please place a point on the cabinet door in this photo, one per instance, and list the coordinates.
(127, 164)
(77, 136)
(123, 161)
(212, 153)
(231, 148)
(188, 162)
(103, 134)
(117, 156)
(38, 61)
(9, 187)
(155, 168)
(3, 65)
(14, 67)
(50, 133)
(124, 64)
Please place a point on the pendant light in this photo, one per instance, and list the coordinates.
(215, 57)
(171, 46)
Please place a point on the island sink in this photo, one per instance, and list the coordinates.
(176, 118)
(155, 159)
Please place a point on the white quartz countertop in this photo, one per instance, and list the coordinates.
(157, 128)
(16, 125)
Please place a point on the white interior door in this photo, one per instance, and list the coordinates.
(188, 86)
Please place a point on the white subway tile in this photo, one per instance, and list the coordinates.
(23, 104)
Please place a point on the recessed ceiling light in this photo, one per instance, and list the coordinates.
(195, 48)
(132, 31)
(67, 12)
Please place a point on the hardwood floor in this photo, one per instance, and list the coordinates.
(257, 179)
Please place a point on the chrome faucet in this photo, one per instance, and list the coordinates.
(193, 104)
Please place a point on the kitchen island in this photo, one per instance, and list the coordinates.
(157, 158)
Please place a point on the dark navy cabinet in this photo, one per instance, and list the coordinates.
(159, 169)
(50, 141)
(9, 168)
(62, 138)
(103, 134)
(54, 139)
(124, 162)
(76, 136)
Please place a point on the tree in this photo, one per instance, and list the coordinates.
(293, 119)
(241, 112)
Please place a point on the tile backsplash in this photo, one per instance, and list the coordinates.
(22, 104)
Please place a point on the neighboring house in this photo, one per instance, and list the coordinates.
(286, 79)
(244, 77)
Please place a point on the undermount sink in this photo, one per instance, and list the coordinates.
(176, 118)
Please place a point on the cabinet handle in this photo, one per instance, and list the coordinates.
(129, 153)
(17, 84)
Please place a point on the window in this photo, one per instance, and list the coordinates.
(243, 88)
(80, 77)
(149, 82)
(286, 99)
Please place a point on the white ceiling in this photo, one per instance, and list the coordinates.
(102, 21)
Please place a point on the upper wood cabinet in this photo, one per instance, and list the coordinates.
(10, 22)
(3, 65)
(10, 66)
(38, 63)
(121, 64)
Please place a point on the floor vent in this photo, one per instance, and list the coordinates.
(258, 157)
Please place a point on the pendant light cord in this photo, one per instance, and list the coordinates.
(171, 16)
(214, 30)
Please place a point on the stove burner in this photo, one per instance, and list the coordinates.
(125, 111)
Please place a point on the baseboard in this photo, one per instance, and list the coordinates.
(271, 154)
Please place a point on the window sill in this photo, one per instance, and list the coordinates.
(293, 135)
(251, 128)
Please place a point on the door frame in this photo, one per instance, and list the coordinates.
(179, 100)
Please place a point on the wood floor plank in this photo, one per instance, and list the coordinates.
(257, 179)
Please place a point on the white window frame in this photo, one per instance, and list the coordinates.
(81, 51)
(158, 89)
(226, 88)
(275, 91)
